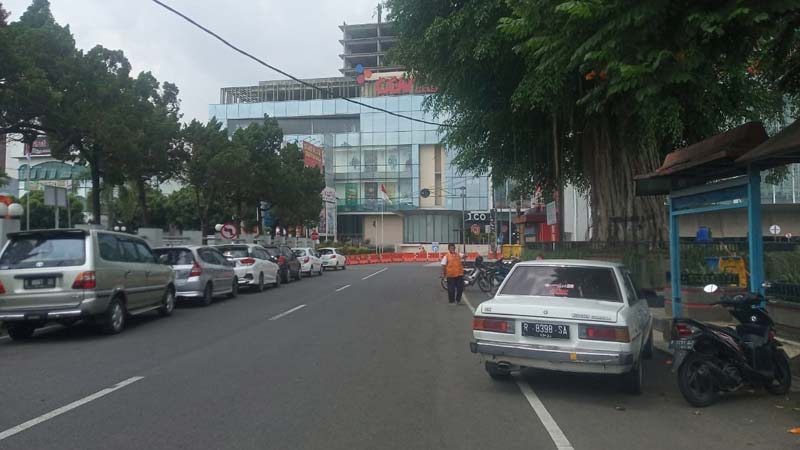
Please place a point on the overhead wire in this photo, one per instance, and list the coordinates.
(286, 74)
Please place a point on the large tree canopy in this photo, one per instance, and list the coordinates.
(551, 91)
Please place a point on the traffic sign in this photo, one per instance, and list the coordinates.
(314, 235)
(788, 235)
(228, 231)
(434, 246)
(775, 229)
(475, 228)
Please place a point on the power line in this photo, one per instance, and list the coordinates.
(304, 83)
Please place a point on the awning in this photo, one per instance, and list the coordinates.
(779, 150)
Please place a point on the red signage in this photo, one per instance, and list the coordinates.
(475, 228)
(397, 85)
(314, 235)
(312, 155)
(40, 147)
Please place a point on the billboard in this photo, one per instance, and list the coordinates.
(40, 147)
(312, 155)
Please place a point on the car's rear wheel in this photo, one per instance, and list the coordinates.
(234, 288)
(167, 303)
(496, 372)
(278, 277)
(632, 381)
(260, 286)
(320, 270)
(208, 295)
(647, 352)
(21, 332)
(114, 317)
(286, 275)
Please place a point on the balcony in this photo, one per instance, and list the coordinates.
(372, 205)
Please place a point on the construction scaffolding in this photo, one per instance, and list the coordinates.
(287, 90)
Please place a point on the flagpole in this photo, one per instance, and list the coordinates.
(28, 188)
(383, 211)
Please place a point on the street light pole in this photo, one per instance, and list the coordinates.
(464, 218)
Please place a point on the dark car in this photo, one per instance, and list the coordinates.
(288, 264)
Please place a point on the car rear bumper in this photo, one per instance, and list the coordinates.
(329, 262)
(189, 289)
(246, 275)
(88, 307)
(586, 361)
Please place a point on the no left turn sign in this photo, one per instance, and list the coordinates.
(228, 231)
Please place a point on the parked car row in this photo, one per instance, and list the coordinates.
(102, 277)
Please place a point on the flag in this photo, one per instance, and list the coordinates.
(384, 194)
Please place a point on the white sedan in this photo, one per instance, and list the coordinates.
(309, 261)
(565, 315)
(253, 265)
(332, 259)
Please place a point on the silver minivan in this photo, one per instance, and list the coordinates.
(69, 275)
(201, 272)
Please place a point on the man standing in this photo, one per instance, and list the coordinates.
(453, 270)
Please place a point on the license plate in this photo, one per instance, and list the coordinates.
(545, 330)
(39, 283)
(682, 344)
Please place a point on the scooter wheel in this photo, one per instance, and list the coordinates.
(696, 381)
(782, 381)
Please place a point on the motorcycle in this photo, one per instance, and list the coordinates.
(710, 360)
(495, 275)
(472, 275)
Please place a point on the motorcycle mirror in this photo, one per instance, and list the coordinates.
(710, 288)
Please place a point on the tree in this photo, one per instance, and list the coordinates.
(211, 166)
(90, 125)
(154, 119)
(298, 201)
(34, 53)
(551, 91)
(3, 16)
(43, 217)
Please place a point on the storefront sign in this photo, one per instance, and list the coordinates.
(328, 195)
(397, 86)
(40, 147)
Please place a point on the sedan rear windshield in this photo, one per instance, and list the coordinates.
(44, 251)
(234, 252)
(593, 283)
(300, 252)
(176, 256)
(326, 251)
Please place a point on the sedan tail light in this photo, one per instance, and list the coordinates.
(85, 280)
(603, 333)
(281, 260)
(2, 288)
(493, 325)
(196, 270)
(247, 261)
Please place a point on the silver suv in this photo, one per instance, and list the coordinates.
(67, 275)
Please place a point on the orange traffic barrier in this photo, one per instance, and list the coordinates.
(409, 257)
(385, 257)
(398, 257)
(472, 255)
(433, 257)
(374, 259)
(353, 260)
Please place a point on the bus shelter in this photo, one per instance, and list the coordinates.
(720, 173)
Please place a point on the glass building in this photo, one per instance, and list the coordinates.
(365, 149)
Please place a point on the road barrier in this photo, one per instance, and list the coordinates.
(391, 258)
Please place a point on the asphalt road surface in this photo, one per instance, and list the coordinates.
(367, 358)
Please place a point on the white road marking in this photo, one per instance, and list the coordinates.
(57, 412)
(343, 287)
(286, 313)
(372, 275)
(558, 437)
(464, 297)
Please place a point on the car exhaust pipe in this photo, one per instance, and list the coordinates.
(503, 365)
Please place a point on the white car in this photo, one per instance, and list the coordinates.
(309, 261)
(565, 315)
(253, 266)
(332, 259)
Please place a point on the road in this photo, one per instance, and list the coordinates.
(365, 358)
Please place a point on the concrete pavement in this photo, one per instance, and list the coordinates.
(353, 359)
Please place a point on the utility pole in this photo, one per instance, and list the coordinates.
(464, 218)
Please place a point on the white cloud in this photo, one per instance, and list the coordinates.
(298, 36)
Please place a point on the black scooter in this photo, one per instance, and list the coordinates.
(710, 359)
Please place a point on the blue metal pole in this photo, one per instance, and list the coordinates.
(755, 236)
(675, 260)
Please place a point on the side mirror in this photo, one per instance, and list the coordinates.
(710, 288)
(163, 259)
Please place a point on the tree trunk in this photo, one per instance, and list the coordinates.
(95, 171)
(610, 164)
(141, 188)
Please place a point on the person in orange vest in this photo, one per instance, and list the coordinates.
(453, 270)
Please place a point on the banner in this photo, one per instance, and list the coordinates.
(40, 147)
(312, 155)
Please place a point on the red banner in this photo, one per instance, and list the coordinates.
(312, 155)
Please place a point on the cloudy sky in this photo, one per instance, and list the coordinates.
(298, 36)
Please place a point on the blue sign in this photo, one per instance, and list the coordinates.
(500, 239)
(434, 248)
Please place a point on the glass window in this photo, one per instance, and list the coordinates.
(129, 252)
(379, 122)
(273, 252)
(221, 260)
(591, 283)
(404, 103)
(230, 251)
(44, 251)
(109, 247)
(176, 256)
(207, 256)
(630, 288)
(144, 252)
